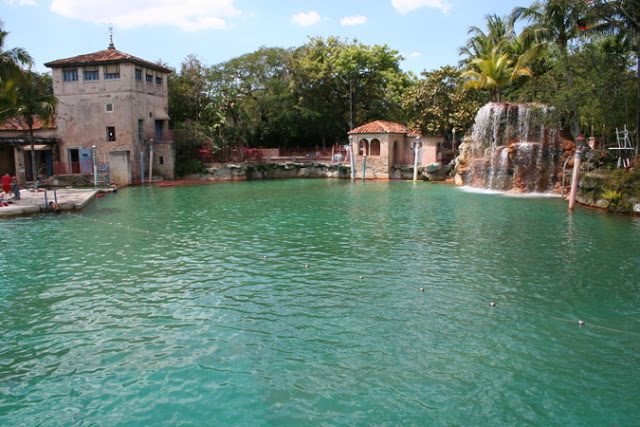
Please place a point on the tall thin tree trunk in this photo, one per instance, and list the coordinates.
(638, 99)
(575, 124)
(352, 110)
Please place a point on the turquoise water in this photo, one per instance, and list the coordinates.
(157, 306)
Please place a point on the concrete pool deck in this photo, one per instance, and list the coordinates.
(33, 202)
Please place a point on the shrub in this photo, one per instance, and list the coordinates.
(189, 166)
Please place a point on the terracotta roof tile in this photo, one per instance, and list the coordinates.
(380, 126)
(107, 56)
(18, 124)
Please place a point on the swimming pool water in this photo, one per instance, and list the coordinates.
(158, 306)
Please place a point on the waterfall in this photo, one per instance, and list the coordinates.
(512, 150)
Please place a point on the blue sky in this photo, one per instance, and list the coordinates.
(428, 33)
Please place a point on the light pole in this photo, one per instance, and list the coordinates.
(416, 143)
(150, 160)
(141, 166)
(576, 172)
(353, 158)
(94, 155)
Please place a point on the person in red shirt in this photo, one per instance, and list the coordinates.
(6, 183)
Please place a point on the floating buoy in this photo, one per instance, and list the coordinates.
(360, 277)
(306, 266)
(265, 257)
(421, 289)
(493, 304)
(580, 322)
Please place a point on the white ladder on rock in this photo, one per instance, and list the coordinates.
(625, 148)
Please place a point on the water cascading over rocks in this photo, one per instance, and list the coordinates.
(513, 149)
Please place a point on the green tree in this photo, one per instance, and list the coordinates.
(439, 106)
(557, 22)
(622, 17)
(495, 58)
(12, 63)
(189, 91)
(356, 81)
(252, 93)
(32, 99)
(493, 72)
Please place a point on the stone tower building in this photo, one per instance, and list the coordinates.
(112, 107)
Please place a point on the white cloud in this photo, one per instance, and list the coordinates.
(188, 15)
(306, 19)
(415, 54)
(406, 6)
(353, 20)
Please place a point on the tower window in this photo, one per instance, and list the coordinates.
(70, 75)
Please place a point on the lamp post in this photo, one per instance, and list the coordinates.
(576, 172)
(416, 143)
(151, 160)
(353, 159)
(94, 155)
(142, 167)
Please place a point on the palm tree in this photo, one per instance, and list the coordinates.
(493, 72)
(556, 22)
(500, 34)
(31, 100)
(13, 60)
(494, 58)
(622, 17)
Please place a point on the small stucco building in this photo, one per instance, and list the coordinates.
(15, 148)
(387, 144)
(113, 106)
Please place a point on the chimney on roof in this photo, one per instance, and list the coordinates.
(111, 45)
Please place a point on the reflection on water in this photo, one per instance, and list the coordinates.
(157, 305)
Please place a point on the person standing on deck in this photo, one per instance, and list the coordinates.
(6, 183)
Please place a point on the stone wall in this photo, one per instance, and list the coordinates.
(255, 171)
(616, 191)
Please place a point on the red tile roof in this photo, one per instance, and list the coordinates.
(107, 56)
(18, 124)
(381, 126)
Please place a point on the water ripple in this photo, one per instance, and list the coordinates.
(190, 324)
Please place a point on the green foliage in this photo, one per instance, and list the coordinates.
(438, 106)
(496, 58)
(189, 166)
(349, 82)
(619, 188)
(188, 91)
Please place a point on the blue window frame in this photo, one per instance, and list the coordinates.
(91, 75)
(111, 71)
(138, 75)
(158, 80)
(149, 78)
(70, 75)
